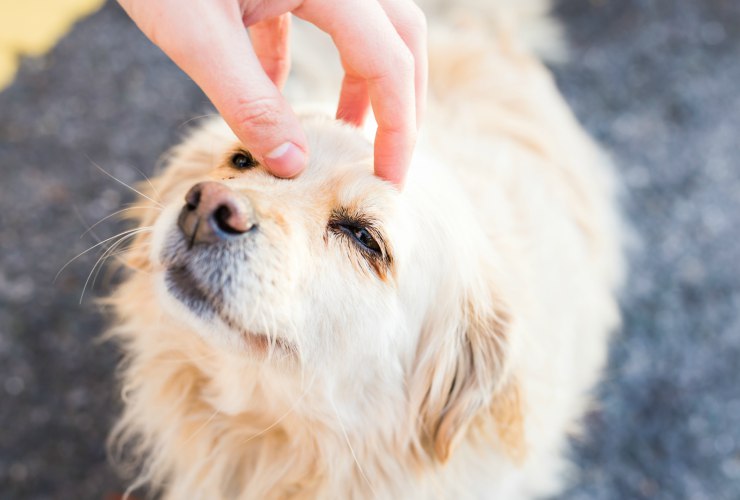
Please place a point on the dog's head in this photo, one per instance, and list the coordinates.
(382, 297)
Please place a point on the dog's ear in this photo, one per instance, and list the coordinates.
(463, 381)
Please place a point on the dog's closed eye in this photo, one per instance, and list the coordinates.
(362, 234)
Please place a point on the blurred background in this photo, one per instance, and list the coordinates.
(657, 82)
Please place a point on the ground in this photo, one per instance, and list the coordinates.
(656, 81)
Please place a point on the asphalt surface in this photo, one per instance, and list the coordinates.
(656, 81)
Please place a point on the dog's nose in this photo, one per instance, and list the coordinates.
(213, 212)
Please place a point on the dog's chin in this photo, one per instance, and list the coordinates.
(188, 301)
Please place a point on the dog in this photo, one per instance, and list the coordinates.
(330, 336)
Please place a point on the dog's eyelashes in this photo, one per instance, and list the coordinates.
(361, 236)
(243, 161)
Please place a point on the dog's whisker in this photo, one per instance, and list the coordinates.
(117, 256)
(89, 229)
(100, 261)
(123, 262)
(199, 117)
(135, 207)
(137, 203)
(129, 234)
(124, 184)
(111, 253)
(103, 242)
(146, 177)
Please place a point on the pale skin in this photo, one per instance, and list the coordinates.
(382, 45)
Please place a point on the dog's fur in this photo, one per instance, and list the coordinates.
(290, 363)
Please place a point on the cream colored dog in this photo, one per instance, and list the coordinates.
(331, 337)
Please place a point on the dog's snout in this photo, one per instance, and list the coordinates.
(214, 212)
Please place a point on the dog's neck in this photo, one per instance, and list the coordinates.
(215, 424)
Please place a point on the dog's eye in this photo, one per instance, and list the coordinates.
(366, 239)
(362, 236)
(243, 161)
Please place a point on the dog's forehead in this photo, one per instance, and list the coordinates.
(340, 164)
(335, 147)
(339, 173)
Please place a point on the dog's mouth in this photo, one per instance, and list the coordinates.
(183, 285)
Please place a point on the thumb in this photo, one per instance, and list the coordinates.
(261, 119)
(213, 48)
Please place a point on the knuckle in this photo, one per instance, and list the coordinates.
(261, 112)
(403, 128)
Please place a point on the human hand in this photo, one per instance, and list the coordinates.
(382, 45)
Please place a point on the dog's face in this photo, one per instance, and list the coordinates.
(302, 269)
(335, 273)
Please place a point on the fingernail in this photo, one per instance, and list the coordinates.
(286, 160)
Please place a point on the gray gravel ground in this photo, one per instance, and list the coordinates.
(656, 81)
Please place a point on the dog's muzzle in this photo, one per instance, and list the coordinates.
(213, 212)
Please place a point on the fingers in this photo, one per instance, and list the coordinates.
(373, 52)
(208, 41)
(354, 100)
(271, 43)
(411, 24)
(382, 46)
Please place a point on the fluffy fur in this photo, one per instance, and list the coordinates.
(453, 365)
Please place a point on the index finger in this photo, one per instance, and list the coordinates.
(372, 50)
